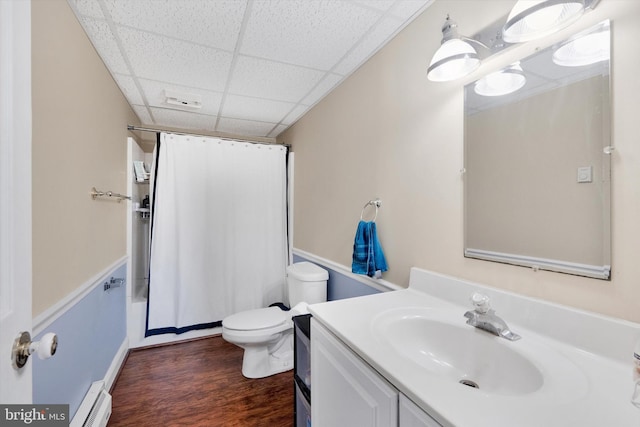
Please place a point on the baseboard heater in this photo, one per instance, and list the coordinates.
(95, 409)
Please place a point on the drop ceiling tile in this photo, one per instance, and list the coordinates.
(160, 58)
(212, 23)
(272, 80)
(90, 8)
(129, 89)
(188, 46)
(183, 119)
(295, 114)
(143, 114)
(325, 86)
(313, 34)
(405, 9)
(277, 131)
(368, 46)
(154, 92)
(102, 38)
(264, 110)
(382, 5)
(244, 127)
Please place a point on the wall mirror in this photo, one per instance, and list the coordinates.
(537, 159)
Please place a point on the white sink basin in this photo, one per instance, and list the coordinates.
(442, 343)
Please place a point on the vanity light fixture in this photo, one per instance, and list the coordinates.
(585, 49)
(533, 19)
(454, 58)
(528, 20)
(501, 82)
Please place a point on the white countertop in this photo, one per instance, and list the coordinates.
(590, 386)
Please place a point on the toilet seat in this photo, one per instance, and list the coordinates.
(255, 320)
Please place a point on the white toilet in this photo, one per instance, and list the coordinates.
(266, 334)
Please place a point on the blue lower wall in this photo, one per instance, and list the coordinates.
(341, 286)
(89, 336)
(91, 332)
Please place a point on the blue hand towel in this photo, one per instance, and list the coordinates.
(379, 262)
(368, 257)
(360, 262)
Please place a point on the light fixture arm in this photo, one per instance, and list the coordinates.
(478, 42)
(450, 31)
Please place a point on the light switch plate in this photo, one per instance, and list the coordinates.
(585, 174)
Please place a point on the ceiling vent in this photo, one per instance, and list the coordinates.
(182, 101)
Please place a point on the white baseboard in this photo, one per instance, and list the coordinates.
(47, 317)
(114, 368)
(379, 284)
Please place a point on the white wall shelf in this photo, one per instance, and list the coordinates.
(145, 213)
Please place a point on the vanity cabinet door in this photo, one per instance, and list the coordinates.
(346, 390)
(412, 416)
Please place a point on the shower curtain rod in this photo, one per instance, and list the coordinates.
(136, 128)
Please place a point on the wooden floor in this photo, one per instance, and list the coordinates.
(198, 383)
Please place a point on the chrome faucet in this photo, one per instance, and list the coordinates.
(483, 317)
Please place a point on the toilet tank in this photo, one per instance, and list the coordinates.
(307, 283)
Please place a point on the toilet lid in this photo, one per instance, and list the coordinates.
(260, 318)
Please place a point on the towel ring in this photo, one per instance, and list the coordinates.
(377, 203)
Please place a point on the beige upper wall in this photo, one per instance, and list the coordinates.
(388, 132)
(79, 141)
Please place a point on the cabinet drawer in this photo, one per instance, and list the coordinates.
(302, 349)
(303, 409)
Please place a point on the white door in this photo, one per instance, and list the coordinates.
(410, 415)
(15, 194)
(346, 391)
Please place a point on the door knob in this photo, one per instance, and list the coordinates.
(23, 347)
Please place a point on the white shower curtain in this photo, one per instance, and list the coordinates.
(218, 231)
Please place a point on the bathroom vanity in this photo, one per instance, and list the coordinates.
(407, 358)
(351, 392)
